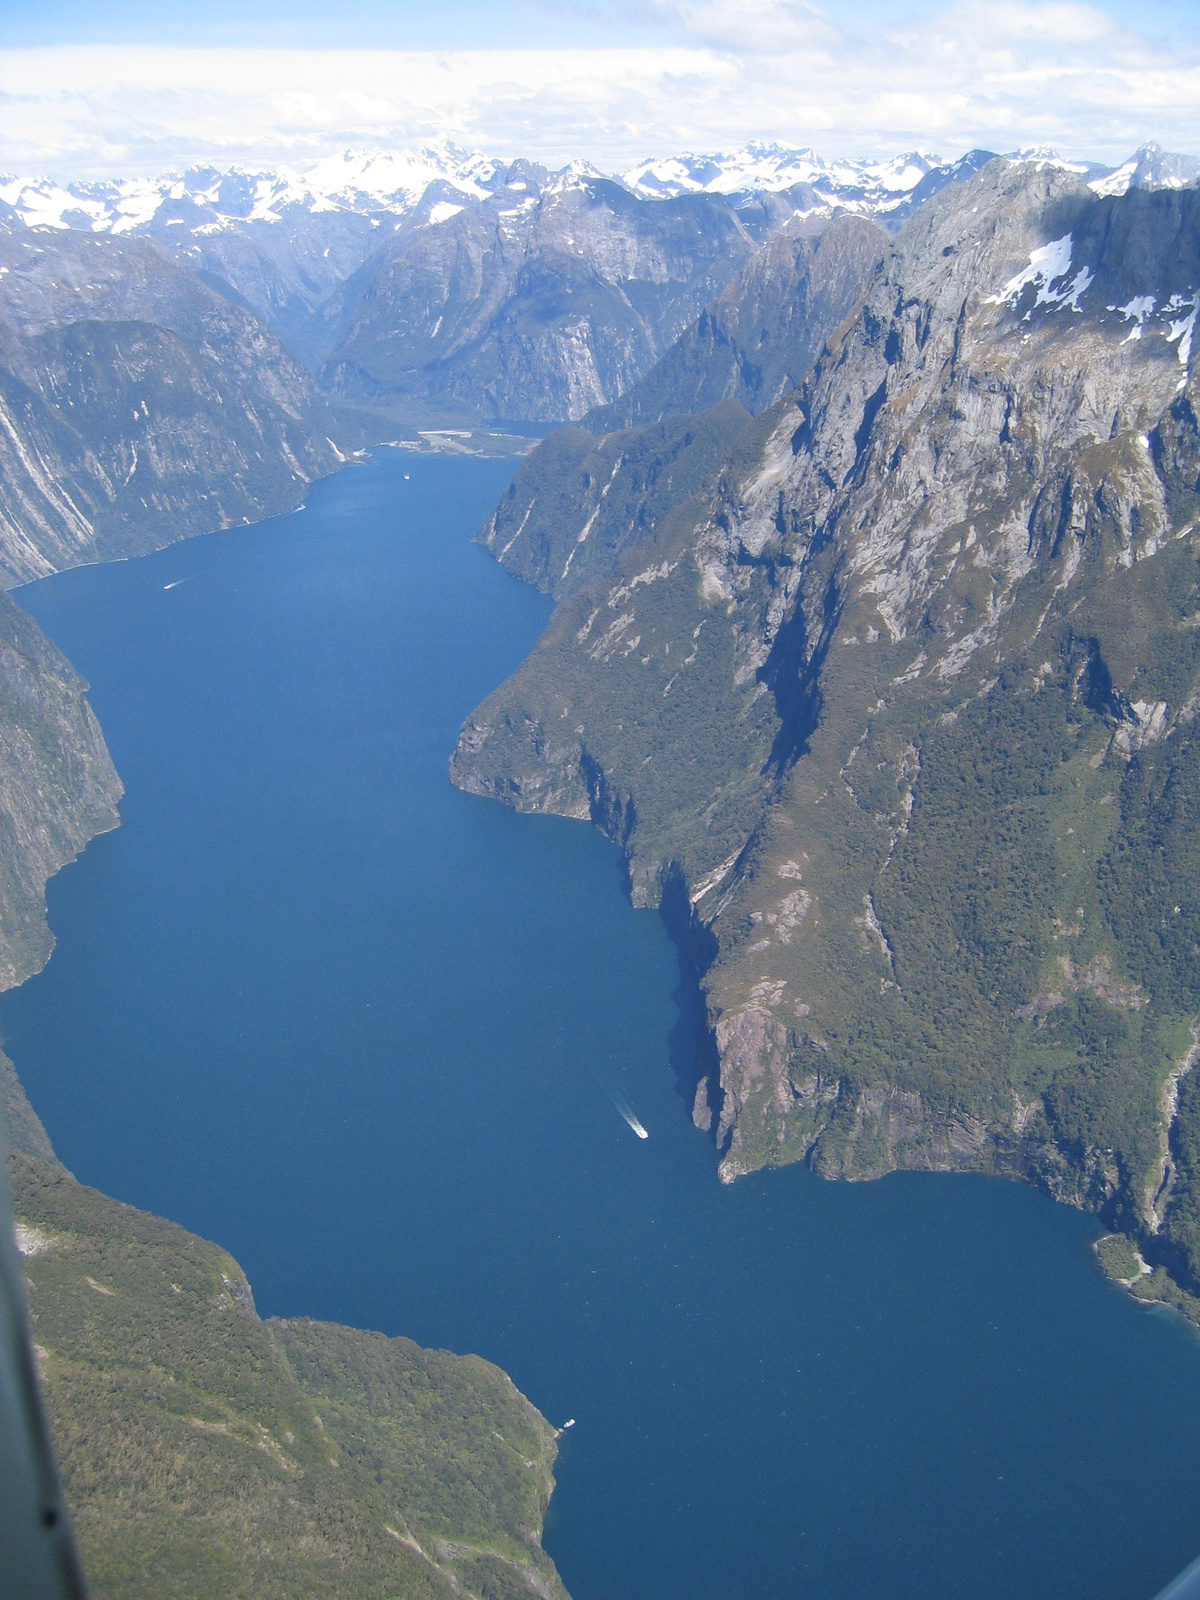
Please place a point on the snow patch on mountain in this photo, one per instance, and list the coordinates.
(1136, 311)
(1048, 266)
(1182, 328)
(1151, 167)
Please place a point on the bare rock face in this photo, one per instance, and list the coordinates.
(138, 406)
(539, 303)
(587, 495)
(577, 504)
(907, 698)
(762, 334)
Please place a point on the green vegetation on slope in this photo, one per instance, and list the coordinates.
(578, 503)
(207, 1453)
(1001, 963)
(897, 718)
(57, 785)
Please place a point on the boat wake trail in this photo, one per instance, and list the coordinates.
(626, 1111)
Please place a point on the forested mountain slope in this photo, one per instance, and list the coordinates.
(206, 1452)
(138, 406)
(898, 719)
(58, 787)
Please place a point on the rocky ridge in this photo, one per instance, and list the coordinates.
(896, 719)
(537, 303)
(278, 241)
(759, 337)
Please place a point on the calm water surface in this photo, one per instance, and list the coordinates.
(366, 1031)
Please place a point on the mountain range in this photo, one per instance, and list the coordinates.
(278, 320)
(378, 183)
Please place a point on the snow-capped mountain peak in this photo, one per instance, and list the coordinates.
(381, 183)
(1151, 167)
(391, 180)
(757, 167)
(363, 181)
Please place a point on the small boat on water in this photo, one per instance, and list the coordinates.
(629, 1117)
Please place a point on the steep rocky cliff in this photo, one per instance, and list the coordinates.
(578, 502)
(898, 719)
(758, 339)
(588, 494)
(58, 787)
(138, 406)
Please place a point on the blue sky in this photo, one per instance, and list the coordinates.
(128, 86)
(452, 24)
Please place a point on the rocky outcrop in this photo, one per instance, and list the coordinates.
(759, 338)
(579, 502)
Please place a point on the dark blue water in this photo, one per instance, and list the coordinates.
(363, 1030)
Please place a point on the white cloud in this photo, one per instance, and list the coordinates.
(750, 26)
(999, 74)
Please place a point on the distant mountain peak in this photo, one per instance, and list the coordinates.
(760, 166)
(360, 180)
(1150, 167)
(377, 182)
(1045, 155)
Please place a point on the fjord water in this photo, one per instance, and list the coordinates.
(368, 1033)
